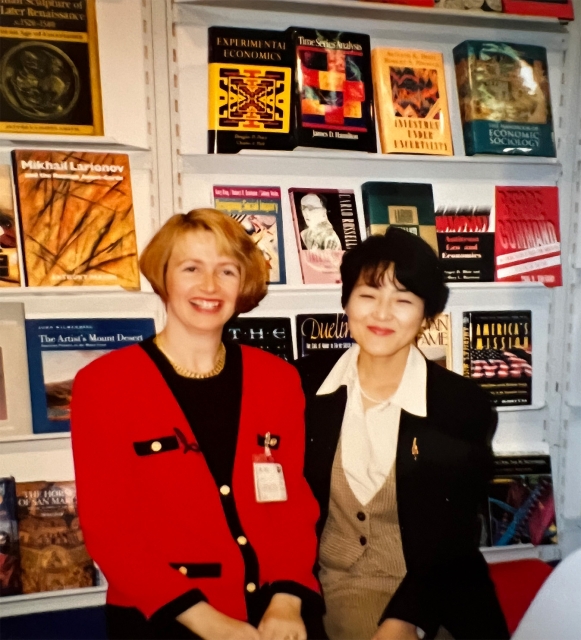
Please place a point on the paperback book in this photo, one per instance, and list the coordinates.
(15, 413)
(333, 90)
(504, 96)
(49, 68)
(326, 225)
(322, 332)
(497, 354)
(407, 205)
(411, 101)
(58, 349)
(436, 341)
(250, 89)
(76, 218)
(561, 9)
(270, 334)
(259, 211)
(528, 240)
(9, 240)
(10, 580)
(52, 548)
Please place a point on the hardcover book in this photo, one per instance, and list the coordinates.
(436, 341)
(10, 580)
(58, 349)
(76, 218)
(497, 354)
(411, 101)
(259, 211)
(528, 241)
(9, 241)
(49, 68)
(15, 411)
(326, 225)
(322, 331)
(407, 205)
(562, 9)
(250, 89)
(465, 244)
(504, 96)
(52, 548)
(333, 90)
(521, 503)
(270, 334)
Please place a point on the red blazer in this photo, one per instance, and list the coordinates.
(148, 519)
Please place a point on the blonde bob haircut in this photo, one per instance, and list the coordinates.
(231, 240)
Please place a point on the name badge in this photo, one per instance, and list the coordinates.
(269, 483)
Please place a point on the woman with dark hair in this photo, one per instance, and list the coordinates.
(398, 456)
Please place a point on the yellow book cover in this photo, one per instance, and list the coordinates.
(436, 341)
(9, 267)
(76, 218)
(411, 101)
(49, 68)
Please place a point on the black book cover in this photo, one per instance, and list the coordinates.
(333, 104)
(10, 578)
(270, 334)
(322, 332)
(497, 354)
(249, 89)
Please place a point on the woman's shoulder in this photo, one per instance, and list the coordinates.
(115, 363)
(266, 363)
(314, 369)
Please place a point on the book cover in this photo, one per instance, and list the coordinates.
(326, 225)
(528, 240)
(407, 205)
(333, 90)
(465, 243)
(271, 334)
(76, 218)
(10, 576)
(322, 331)
(15, 409)
(259, 211)
(436, 341)
(250, 89)
(52, 548)
(497, 354)
(59, 348)
(49, 68)
(9, 240)
(411, 101)
(521, 502)
(505, 103)
(561, 9)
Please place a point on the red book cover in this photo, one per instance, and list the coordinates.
(548, 8)
(527, 245)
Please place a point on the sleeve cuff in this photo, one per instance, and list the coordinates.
(312, 602)
(170, 611)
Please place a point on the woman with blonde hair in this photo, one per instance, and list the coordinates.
(189, 458)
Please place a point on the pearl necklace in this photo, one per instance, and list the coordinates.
(187, 373)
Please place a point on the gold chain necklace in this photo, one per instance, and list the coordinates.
(186, 373)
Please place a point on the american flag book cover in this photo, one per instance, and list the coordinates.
(497, 354)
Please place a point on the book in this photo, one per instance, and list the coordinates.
(10, 577)
(411, 101)
(561, 9)
(322, 331)
(49, 68)
(497, 354)
(76, 218)
(470, 5)
(528, 241)
(333, 105)
(436, 341)
(59, 348)
(259, 211)
(15, 408)
(52, 549)
(505, 103)
(465, 243)
(250, 89)
(9, 237)
(326, 225)
(521, 503)
(270, 334)
(407, 205)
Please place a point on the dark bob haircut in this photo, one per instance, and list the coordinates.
(416, 267)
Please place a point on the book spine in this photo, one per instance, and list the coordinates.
(466, 345)
(381, 93)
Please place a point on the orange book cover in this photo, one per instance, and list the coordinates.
(411, 101)
(76, 218)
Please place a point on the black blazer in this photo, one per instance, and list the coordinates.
(438, 495)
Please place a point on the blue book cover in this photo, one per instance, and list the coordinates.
(58, 349)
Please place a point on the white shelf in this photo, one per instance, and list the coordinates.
(52, 601)
(525, 407)
(520, 552)
(72, 142)
(282, 289)
(390, 12)
(71, 291)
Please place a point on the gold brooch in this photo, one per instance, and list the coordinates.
(415, 450)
